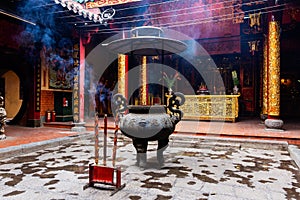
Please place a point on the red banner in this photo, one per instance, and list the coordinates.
(102, 3)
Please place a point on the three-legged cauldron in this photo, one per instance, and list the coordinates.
(143, 123)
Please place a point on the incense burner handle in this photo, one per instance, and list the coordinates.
(177, 99)
(120, 103)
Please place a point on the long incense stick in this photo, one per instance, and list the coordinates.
(96, 139)
(105, 140)
(115, 146)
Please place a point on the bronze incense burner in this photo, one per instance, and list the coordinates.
(143, 123)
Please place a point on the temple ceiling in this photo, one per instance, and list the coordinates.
(199, 19)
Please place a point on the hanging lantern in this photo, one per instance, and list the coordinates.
(254, 21)
(253, 46)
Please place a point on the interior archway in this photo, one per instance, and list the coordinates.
(11, 91)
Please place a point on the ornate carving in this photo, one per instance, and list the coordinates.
(265, 79)
(274, 70)
(211, 107)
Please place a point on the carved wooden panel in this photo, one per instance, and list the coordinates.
(211, 107)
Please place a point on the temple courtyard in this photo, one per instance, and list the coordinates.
(196, 167)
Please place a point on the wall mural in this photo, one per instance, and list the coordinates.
(61, 73)
(61, 66)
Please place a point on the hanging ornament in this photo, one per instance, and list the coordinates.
(253, 45)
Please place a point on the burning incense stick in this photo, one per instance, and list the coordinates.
(96, 139)
(105, 140)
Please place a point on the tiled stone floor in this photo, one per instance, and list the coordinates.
(195, 168)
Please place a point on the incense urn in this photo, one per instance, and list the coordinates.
(143, 123)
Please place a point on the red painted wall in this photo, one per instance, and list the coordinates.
(8, 33)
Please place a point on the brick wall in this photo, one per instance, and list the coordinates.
(47, 101)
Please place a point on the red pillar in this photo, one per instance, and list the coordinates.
(33, 119)
(126, 76)
(82, 41)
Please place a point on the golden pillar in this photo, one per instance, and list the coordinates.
(143, 89)
(273, 77)
(274, 70)
(122, 74)
(265, 79)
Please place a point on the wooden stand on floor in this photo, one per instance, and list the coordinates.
(105, 175)
(102, 174)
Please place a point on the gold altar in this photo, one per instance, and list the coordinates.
(211, 107)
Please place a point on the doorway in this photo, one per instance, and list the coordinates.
(10, 90)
